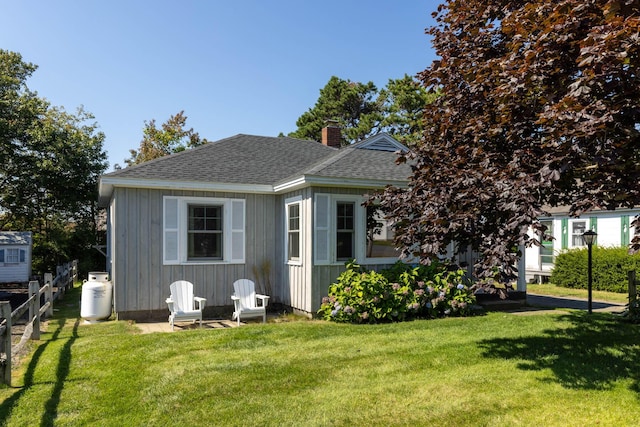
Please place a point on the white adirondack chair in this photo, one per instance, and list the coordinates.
(183, 305)
(245, 301)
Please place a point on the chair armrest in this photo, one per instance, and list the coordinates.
(201, 302)
(236, 302)
(169, 302)
(264, 298)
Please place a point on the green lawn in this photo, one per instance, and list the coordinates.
(501, 369)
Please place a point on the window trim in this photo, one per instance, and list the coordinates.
(329, 232)
(287, 204)
(351, 231)
(12, 252)
(549, 243)
(572, 235)
(191, 209)
(175, 217)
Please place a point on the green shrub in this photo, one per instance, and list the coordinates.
(397, 294)
(609, 269)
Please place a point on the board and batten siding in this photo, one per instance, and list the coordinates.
(141, 281)
(322, 276)
(295, 278)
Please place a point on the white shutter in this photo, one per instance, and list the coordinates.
(171, 230)
(322, 212)
(237, 252)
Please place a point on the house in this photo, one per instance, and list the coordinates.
(15, 256)
(613, 228)
(284, 212)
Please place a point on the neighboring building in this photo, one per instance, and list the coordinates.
(284, 212)
(613, 228)
(15, 256)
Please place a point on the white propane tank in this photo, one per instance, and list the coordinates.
(96, 297)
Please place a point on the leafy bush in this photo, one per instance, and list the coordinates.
(609, 269)
(397, 294)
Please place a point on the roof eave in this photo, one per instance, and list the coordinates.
(107, 184)
(314, 180)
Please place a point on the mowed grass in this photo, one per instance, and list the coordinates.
(500, 369)
(551, 289)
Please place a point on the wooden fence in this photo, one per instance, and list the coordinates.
(65, 277)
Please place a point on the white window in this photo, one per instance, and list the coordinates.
(343, 230)
(379, 235)
(203, 230)
(293, 244)
(577, 227)
(12, 256)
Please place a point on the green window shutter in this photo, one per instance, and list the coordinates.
(1, 255)
(565, 233)
(23, 255)
(624, 230)
(593, 223)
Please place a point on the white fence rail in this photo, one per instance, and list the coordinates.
(66, 275)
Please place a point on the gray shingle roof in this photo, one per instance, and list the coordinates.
(243, 159)
(358, 163)
(15, 237)
(259, 160)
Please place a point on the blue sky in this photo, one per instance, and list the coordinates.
(241, 66)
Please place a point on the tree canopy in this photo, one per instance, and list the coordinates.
(361, 110)
(539, 107)
(50, 164)
(172, 137)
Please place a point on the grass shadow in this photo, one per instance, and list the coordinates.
(69, 309)
(592, 353)
(62, 372)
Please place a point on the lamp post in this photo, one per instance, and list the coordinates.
(589, 238)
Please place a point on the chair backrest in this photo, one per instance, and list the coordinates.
(245, 289)
(182, 295)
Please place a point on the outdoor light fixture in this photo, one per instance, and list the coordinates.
(589, 238)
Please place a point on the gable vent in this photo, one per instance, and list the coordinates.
(382, 145)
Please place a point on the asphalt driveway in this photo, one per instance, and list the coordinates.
(551, 302)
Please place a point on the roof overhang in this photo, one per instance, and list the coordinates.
(314, 180)
(107, 185)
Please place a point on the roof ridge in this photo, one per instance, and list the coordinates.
(334, 157)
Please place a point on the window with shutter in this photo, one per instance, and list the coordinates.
(344, 229)
(203, 230)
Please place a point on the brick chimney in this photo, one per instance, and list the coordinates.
(331, 135)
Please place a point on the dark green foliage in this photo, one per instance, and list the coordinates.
(400, 293)
(361, 110)
(422, 272)
(610, 267)
(50, 162)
